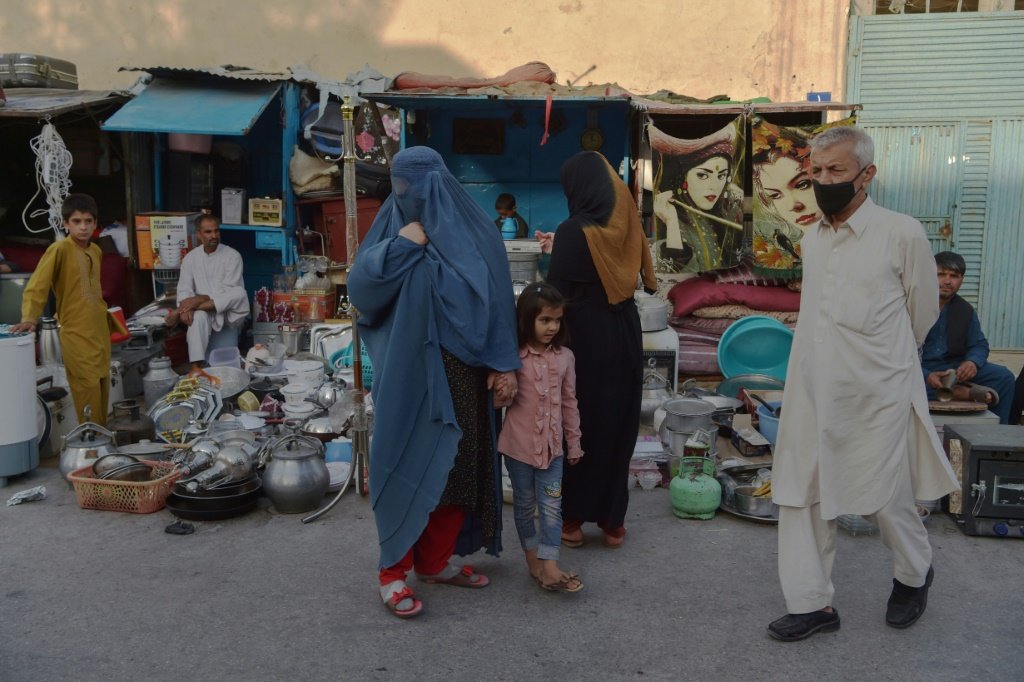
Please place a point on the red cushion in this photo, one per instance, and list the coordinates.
(714, 326)
(697, 358)
(698, 292)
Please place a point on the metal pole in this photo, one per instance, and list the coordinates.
(359, 431)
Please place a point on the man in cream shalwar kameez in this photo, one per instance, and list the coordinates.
(855, 436)
(211, 293)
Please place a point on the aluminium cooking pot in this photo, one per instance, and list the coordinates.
(688, 415)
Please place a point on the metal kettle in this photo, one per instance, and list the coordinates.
(49, 342)
(83, 446)
(296, 478)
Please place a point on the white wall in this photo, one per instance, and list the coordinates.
(743, 48)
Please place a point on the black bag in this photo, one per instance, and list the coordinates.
(372, 180)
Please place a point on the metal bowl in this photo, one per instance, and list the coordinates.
(134, 473)
(755, 506)
(111, 462)
(321, 429)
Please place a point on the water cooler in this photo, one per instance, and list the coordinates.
(19, 449)
(523, 260)
(661, 353)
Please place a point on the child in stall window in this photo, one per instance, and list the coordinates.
(505, 205)
(543, 415)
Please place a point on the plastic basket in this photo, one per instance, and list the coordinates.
(144, 497)
(343, 358)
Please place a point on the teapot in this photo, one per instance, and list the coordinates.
(83, 446)
(656, 390)
(296, 478)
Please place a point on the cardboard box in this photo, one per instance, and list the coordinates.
(232, 205)
(163, 238)
(301, 304)
(266, 212)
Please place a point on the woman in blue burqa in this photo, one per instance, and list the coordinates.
(433, 289)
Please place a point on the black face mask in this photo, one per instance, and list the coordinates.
(833, 198)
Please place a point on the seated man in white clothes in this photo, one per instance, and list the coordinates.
(211, 293)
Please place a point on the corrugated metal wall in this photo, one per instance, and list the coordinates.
(941, 85)
(1001, 300)
(948, 66)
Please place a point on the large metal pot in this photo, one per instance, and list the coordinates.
(296, 478)
(675, 441)
(292, 337)
(688, 415)
(158, 380)
(653, 312)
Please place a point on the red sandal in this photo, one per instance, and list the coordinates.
(393, 595)
(464, 577)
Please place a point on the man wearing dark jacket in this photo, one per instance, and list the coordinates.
(957, 343)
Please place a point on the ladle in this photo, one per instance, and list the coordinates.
(773, 411)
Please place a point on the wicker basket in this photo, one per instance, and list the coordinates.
(145, 497)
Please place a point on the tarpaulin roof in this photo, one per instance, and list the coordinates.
(39, 102)
(367, 80)
(696, 107)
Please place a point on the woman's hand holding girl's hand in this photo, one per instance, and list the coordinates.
(414, 233)
(504, 385)
(546, 239)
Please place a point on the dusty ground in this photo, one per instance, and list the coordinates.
(90, 595)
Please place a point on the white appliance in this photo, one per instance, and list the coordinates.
(661, 353)
(19, 448)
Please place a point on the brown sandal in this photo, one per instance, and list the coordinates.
(570, 582)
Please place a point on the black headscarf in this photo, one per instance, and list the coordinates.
(601, 206)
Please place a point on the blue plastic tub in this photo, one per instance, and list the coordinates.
(766, 423)
(755, 345)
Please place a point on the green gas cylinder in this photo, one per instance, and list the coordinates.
(695, 493)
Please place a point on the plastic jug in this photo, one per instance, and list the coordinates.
(508, 228)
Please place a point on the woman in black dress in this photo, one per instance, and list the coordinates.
(597, 255)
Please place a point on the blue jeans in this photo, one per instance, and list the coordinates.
(534, 488)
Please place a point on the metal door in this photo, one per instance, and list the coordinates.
(1001, 308)
(919, 169)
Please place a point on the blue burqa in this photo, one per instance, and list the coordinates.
(454, 293)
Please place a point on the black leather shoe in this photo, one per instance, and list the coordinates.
(796, 626)
(906, 604)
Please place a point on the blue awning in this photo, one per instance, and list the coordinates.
(200, 108)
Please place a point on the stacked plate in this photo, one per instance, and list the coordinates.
(172, 413)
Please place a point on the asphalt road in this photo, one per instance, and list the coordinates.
(88, 595)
